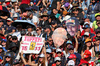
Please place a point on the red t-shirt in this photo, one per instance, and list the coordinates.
(25, 2)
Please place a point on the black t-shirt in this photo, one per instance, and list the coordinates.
(54, 4)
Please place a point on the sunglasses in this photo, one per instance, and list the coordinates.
(58, 52)
(71, 49)
(37, 30)
(58, 61)
(50, 40)
(7, 57)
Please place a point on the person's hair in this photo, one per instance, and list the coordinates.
(84, 48)
(42, 63)
(40, 28)
(10, 62)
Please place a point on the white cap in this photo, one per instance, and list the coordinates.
(86, 23)
(0, 46)
(58, 50)
(9, 19)
(71, 62)
(86, 33)
(15, 15)
(41, 55)
(48, 50)
(7, 0)
(57, 58)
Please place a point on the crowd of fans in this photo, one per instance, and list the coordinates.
(82, 44)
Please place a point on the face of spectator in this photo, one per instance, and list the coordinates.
(8, 58)
(97, 42)
(9, 22)
(1, 23)
(58, 62)
(87, 29)
(98, 35)
(98, 23)
(3, 43)
(74, 59)
(15, 18)
(29, 29)
(87, 20)
(93, 1)
(40, 59)
(75, 12)
(47, 29)
(71, 51)
(98, 18)
(48, 55)
(54, 25)
(71, 29)
(59, 54)
(55, 11)
(38, 30)
(45, 18)
(36, 55)
(50, 41)
(1, 50)
(88, 44)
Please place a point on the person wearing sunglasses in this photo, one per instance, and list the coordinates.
(39, 32)
(57, 61)
(8, 60)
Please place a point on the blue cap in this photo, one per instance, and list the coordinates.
(4, 40)
(86, 26)
(8, 54)
(69, 42)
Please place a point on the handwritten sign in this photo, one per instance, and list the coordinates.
(31, 44)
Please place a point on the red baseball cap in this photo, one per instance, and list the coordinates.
(87, 54)
(72, 56)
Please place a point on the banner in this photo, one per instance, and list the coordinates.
(31, 44)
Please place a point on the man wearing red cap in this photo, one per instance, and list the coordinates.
(86, 59)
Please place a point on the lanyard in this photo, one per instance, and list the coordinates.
(93, 7)
(40, 35)
(99, 48)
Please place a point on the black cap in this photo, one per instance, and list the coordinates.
(14, 37)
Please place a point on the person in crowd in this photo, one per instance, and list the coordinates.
(93, 9)
(39, 32)
(57, 61)
(48, 32)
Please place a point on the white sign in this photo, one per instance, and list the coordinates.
(31, 44)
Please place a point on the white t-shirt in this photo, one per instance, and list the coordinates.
(35, 19)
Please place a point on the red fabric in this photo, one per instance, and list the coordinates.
(0, 60)
(54, 64)
(83, 61)
(0, 7)
(3, 37)
(7, 3)
(91, 64)
(91, 30)
(94, 38)
(25, 2)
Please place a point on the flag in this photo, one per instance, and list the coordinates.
(0, 7)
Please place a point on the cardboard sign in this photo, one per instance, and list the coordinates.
(31, 44)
